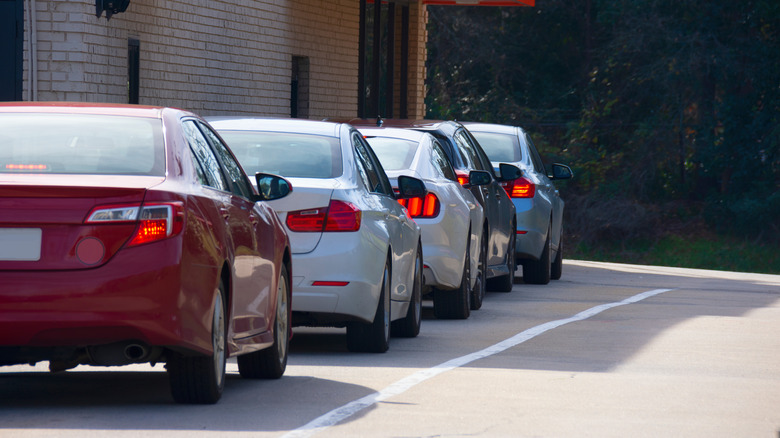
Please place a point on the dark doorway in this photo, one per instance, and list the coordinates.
(377, 73)
(11, 49)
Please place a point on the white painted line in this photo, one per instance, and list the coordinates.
(339, 414)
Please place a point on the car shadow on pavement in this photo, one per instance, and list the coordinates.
(141, 401)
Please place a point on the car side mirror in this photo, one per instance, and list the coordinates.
(561, 171)
(479, 178)
(509, 172)
(410, 187)
(270, 186)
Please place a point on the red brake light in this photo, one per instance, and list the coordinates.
(26, 167)
(520, 188)
(307, 220)
(428, 207)
(337, 216)
(342, 216)
(463, 177)
(155, 221)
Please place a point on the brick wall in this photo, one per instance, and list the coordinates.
(208, 56)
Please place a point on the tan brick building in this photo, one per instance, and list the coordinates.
(301, 58)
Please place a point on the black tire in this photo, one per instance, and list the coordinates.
(409, 325)
(480, 286)
(270, 363)
(557, 266)
(505, 283)
(373, 337)
(455, 304)
(200, 379)
(538, 271)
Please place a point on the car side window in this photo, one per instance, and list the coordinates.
(535, 157)
(468, 148)
(239, 183)
(206, 163)
(441, 162)
(368, 167)
(481, 155)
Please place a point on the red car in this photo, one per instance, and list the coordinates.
(131, 234)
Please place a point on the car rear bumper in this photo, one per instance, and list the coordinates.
(137, 296)
(319, 277)
(532, 226)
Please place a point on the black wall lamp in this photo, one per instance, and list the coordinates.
(110, 6)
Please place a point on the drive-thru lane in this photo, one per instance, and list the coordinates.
(608, 350)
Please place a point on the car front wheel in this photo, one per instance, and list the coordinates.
(271, 362)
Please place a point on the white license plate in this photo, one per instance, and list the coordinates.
(20, 244)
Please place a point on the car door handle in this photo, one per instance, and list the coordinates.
(224, 212)
(254, 219)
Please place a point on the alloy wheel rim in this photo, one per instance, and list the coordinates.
(282, 325)
(218, 339)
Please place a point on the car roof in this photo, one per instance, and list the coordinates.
(490, 127)
(419, 124)
(275, 124)
(82, 108)
(405, 134)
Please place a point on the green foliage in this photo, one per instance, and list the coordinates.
(713, 252)
(651, 102)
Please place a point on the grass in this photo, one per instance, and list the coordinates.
(714, 252)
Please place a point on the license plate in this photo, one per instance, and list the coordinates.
(20, 244)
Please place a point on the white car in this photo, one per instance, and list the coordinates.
(451, 219)
(357, 255)
(538, 205)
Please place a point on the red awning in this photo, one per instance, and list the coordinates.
(481, 2)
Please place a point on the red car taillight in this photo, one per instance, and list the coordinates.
(337, 216)
(155, 221)
(427, 207)
(520, 188)
(463, 177)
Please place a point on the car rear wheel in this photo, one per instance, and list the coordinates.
(505, 283)
(538, 271)
(409, 326)
(478, 292)
(271, 362)
(200, 379)
(373, 337)
(557, 266)
(455, 304)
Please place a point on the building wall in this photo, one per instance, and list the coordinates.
(207, 56)
(418, 37)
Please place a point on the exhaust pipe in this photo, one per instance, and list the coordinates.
(119, 353)
(135, 352)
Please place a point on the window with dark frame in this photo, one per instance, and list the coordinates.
(133, 70)
(299, 88)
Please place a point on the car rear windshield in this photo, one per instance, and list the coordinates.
(286, 154)
(81, 144)
(393, 153)
(499, 147)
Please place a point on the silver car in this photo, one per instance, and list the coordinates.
(451, 219)
(538, 205)
(357, 255)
